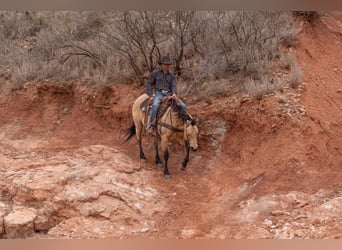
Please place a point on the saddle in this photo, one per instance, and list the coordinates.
(165, 104)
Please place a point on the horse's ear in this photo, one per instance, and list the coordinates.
(194, 122)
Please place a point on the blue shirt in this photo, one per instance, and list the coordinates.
(160, 81)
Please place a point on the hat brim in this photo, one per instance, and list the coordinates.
(166, 63)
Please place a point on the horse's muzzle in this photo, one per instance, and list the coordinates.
(194, 148)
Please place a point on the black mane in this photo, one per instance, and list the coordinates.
(181, 113)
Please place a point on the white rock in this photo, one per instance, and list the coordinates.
(187, 233)
(20, 222)
(2, 214)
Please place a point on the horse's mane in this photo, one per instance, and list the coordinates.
(181, 113)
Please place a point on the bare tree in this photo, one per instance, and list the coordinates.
(137, 36)
(128, 45)
(180, 23)
(246, 41)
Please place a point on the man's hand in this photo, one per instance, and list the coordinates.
(175, 97)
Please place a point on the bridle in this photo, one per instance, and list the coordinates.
(172, 128)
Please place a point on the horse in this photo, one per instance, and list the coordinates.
(175, 124)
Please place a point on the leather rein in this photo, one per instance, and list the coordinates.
(166, 125)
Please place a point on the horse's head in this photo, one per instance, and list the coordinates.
(192, 133)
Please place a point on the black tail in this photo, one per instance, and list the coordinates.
(130, 132)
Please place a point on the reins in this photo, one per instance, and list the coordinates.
(166, 125)
(170, 126)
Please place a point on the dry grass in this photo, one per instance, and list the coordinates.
(287, 60)
(69, 46)
(258, 89)
(295, 76)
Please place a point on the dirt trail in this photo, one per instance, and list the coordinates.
(264, 169)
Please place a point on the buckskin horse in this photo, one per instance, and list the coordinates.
(175, 123)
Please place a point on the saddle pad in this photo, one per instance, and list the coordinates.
(143, 105)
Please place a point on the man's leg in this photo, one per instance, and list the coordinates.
(155, 105)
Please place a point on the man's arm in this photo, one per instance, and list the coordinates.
(173, 85)
(150, 83)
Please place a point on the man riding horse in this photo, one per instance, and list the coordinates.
(164, 84)
(174, 123)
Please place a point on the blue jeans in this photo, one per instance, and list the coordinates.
(156, 103)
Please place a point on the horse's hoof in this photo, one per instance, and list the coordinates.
(159, 165)
(167, 176)
(142, 160)
(182, 168)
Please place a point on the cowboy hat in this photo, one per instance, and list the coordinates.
(165, 60)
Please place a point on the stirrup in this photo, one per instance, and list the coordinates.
(150, 129)
(150, 126)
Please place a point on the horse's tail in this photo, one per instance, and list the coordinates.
(130, 132)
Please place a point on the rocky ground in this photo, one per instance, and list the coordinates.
(268, 168)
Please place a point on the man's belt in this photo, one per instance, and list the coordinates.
(164, 91)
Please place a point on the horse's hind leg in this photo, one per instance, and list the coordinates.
(139, 133)
(166, 169)
(141, 152)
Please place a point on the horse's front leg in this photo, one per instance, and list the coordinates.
(165, 151)
(186, 158)
(157, 159)
(166, 169)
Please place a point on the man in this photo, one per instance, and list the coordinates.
(164, 84)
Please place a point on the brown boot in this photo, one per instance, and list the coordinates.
(150, 129)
